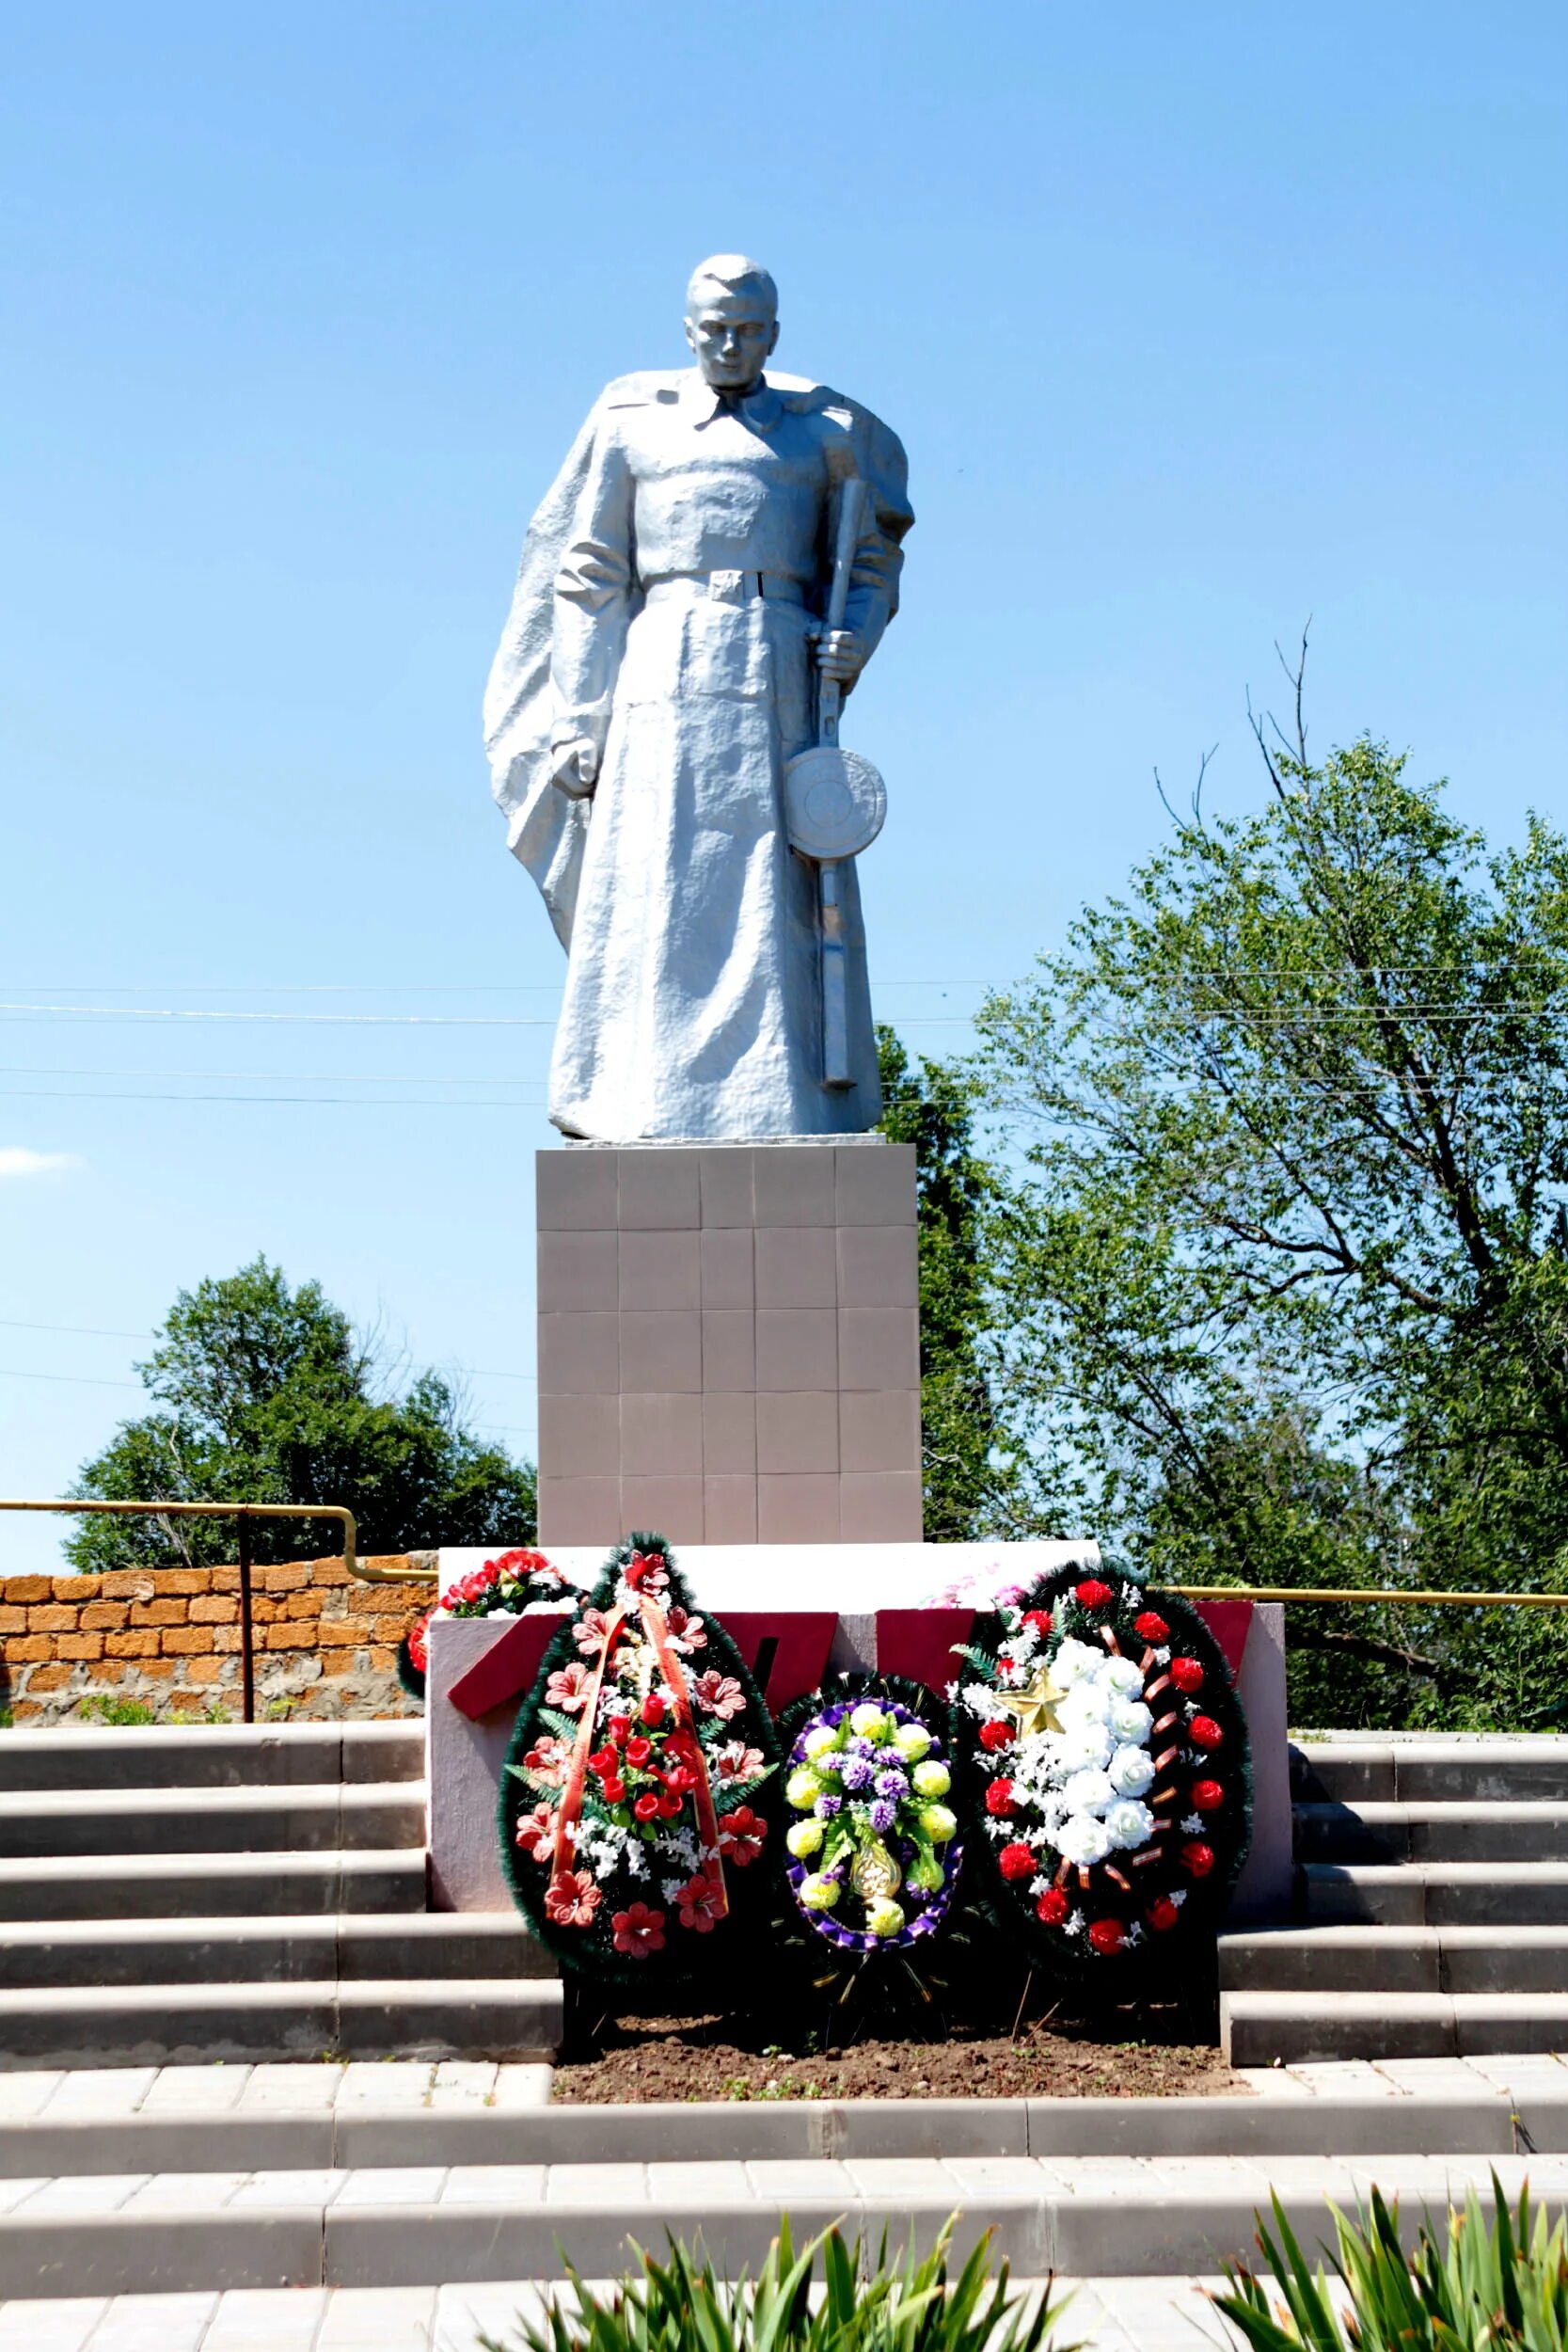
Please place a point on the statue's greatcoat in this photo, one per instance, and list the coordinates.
(669, 587)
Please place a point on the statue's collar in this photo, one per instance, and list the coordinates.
(760, 409)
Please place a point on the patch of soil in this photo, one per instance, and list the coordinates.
(1156, 2053)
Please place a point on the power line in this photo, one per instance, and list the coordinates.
(70, 1379)
(80, 1330)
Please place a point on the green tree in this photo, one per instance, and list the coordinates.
(968, 1473)
(1284, 1285)
(266, 1395)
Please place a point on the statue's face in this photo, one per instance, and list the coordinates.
(732, 333)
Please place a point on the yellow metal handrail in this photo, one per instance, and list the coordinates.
(1396, 1599)
(244, 1513)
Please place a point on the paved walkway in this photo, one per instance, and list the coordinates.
(1112, 2314)
(458, 2086)
(328, 2086)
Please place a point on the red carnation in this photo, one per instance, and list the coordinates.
(419, 1636)
(996, 1734)
(1151, 1626)
(1208, 1796)
(1017, 1861)
(1162, 1914)
(1091, 1593)
(1039, 1619)
(639, 1931)
(1204, 1732)
(741, 1835)
(999, 1797)
(645, 1807)
(653, 1710)
(1107, 1935)
(1051, 1909)
(1187, 1675)
(1198, 1858)
(639, 1749)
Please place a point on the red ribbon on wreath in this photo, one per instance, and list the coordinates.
(656, 1628)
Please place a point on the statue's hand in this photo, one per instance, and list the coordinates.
(841, 655)
(577, 768)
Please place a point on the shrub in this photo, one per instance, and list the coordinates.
(1491, 2282)
(908, 2303)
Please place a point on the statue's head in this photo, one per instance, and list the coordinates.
(732, 320)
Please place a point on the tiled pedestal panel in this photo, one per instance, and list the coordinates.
(729, 1343)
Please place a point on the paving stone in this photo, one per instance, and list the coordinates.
(690, 2188)
(207, 2090)
(268, 2319)
(154, 2323)
(87, 2193)
(494, 2184)
(46, 2326)
(784, 2179)
(27, 2094)
(185, 2192)
(284, 2191)
(463, 2082)
(392, 2082)
(523, 2084)
(295, 2085)
(390, 2319)
(603, 2185)
(101, 2091)
(391, 2185)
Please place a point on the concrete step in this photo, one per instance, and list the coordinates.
(282, 1949)
(210, 1756)
(413, 2226)
(1435, 1894)
(307, 1818)
(1476, 1769)
(366, 1879)
(1260, 2029)
(1396, 1960)
(1431, 1830)
(1109, 2312)
(183, 2126)
(498, 2017)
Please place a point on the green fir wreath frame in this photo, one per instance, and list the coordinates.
(1169, 1883)
(590, 1951)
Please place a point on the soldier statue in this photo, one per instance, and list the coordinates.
(661, 665)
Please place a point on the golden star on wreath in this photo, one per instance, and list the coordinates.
(1033, 1708)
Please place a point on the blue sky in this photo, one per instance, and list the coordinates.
(1195, 321)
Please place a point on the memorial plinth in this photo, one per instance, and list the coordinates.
(729, 1344)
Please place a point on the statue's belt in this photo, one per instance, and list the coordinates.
(727, 587)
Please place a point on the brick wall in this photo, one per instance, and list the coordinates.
(326, 1644)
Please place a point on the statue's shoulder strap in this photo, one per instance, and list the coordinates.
(641, 388)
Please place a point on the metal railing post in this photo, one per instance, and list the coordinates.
(247, 1644)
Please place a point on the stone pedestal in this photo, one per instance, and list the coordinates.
(729, 1343)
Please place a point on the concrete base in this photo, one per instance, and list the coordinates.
(728, 1342)
(872, 1589)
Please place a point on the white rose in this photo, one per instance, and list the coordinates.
(1086, 1750)
(1131, 1770)
(1086, 1792)
(1123, 1674)
(1128, 1823)
(1083, 1839)
(1072, 1661)
(1130, 1719)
